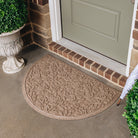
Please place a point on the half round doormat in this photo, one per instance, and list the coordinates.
(57, 90)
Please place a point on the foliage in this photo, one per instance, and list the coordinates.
(13, 15)
(131, 113)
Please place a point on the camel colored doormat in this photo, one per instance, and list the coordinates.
(57, 90)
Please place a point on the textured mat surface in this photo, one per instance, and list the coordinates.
(57, 90)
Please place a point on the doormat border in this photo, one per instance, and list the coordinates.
(56, 116)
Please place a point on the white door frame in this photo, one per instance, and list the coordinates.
(55, 16)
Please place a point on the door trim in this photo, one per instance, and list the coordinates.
(55, 17)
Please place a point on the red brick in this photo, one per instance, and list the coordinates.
(108, 74)
(101, 70)
(60, 50)
(122, 81)
(137, 15)
(82, 60)
(71, 55)
(51, 45)
(65, 52)
(42, 9)
(135, 34)
(94, 67)
(39, 19)
(88, 64)
(56, 47)
(42, 2)
(115, 77)
(76, 58)
(136, 24)
(49, 40)
(40, 40)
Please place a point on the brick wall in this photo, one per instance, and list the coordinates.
(134, 55)
(40, 20)
(37, 30)
(26, 32)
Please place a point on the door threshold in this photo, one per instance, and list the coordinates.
(94, 56)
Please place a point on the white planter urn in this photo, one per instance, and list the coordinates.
(10, 45)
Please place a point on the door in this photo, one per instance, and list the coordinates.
(103, 26)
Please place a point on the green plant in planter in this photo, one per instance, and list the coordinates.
(131, 113)
(13, 15)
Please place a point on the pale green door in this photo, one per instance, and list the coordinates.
(101, 25)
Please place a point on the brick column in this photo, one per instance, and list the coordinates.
(134, 54)
(40, 18)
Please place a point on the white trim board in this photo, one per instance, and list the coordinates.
(55, 16)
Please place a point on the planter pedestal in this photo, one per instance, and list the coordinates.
(10, 45)
(13, 65)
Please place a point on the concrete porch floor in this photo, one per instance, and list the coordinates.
(19, 120)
